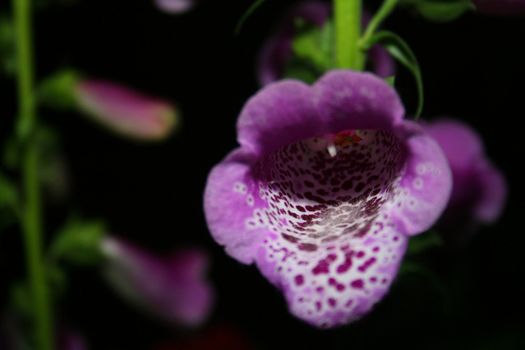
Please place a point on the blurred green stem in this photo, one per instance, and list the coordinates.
(347, 34)
(32, 216)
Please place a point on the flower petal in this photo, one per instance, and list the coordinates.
(493, 196)
(229, 199)
(426, 183)
(271, 118)
(289, 111)
(338, 283)
(353, 100)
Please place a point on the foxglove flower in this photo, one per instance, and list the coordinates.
(479, 189)
(277, 50)
(175, 289)
(501, 7)
(175, 7)
(327, 186)
(125, 111)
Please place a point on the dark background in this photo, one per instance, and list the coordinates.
(152, 194)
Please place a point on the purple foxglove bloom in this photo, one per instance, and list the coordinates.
(175, 289)
(277, 50)
(501, 7)
(325, 190)
(125, 111)
(479, 189)
(175, 7)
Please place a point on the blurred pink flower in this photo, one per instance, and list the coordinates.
(479, 190)
(125, 111)
(175, 288)
(175, 6)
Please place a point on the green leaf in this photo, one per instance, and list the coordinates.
(78, 242)
(315, 46)
(401, 51)
(301, 70)
(440, 10)
(391, 80)
(422, 243)
(58, 90)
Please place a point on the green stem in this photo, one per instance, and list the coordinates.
(348, 32)
(384, 11)
(32, 216)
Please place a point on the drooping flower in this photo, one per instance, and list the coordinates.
(114, 106)
(277, 51)
(501, 7)
(327, 186)
(175, 7)
(479, 189)
(125, 111)
(176, 288)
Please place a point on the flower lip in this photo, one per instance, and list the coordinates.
(327, 219)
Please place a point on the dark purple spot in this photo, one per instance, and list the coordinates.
(357, 284)
(299, 280)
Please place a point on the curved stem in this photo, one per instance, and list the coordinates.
(384, 11)
(347, 34)
(32, 225)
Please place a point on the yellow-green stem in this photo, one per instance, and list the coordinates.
(32, 216)
(347, 15)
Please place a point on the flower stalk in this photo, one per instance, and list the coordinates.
(32, 216)
(347, 15)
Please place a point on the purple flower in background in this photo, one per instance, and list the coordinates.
(125, 111)
(479, 189)
(71, 341)
(175, 289)
(501, 7)
(175, 7)
(277, 50)
(325, 190)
